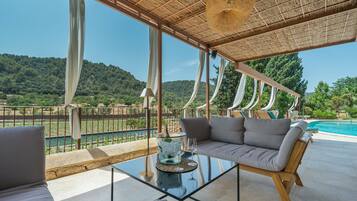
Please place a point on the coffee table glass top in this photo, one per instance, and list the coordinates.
(177, 185)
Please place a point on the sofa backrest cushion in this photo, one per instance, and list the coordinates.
(22, 156)
(296, 131)
(198, 128)
(226, 129)
(265, 133)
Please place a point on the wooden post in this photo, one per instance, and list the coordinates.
(159, 84)
(207, 85)
(245, 69)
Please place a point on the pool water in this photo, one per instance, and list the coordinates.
(337, 127)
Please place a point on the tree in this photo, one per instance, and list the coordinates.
(228, 88)
(325, 101)
(319, 99)
(288, 71)
(337, 102)
(285, 69)
(347, 89)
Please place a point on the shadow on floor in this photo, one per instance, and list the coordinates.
(328, 171)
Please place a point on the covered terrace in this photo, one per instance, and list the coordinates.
(273, 28)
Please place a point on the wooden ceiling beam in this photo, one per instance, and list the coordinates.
(138, 13)
(225, 56)
(287, 23)
(298, 50)
(245, 69)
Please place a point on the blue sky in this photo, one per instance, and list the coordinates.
(40, 28)
(330, 63)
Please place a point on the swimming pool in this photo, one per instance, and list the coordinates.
(337, 127)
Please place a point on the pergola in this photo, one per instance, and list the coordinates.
(275, 27)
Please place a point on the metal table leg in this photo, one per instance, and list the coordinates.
(112, 186)
(238, 185)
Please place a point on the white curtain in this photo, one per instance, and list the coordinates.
(74, 60)
(152, 79)
(253, 97)
(274, 90)
(293, 106)
(218, 85)
(240, 93)
(197, 83)
(261, 87)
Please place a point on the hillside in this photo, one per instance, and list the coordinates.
(177, 93)
(28, 80)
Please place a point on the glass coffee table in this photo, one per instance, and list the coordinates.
(179, 186)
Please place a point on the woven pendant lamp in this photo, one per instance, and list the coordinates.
(226, 16)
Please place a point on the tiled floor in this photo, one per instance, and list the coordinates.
(329, 172)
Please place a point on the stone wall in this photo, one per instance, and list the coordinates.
(64, 164)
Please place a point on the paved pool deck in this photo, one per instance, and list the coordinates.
(328, 171)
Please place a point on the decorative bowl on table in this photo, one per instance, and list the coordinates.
(169, 149)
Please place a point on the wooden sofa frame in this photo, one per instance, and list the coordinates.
(284, 180)
(259, 114)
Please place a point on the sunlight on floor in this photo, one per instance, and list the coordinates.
(328, 171)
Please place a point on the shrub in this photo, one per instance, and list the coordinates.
(352, 111)
(319, 114)
(136, 123)
(2, 95)
(308, 110)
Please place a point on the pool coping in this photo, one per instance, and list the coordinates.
(338, 134)
(314, 120)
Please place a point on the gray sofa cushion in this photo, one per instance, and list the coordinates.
(22, 156)
(259, 157)
(222, 150)
(198, 128)
(32, 193)
(213, 148)
(296, 131)
(243, 154)
(265, 133)
(226, 129)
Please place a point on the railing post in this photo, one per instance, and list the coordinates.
(80, 123)
(14, 117)
(259, 95)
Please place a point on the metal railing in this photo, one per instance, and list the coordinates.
(213, 112)
(99, 126)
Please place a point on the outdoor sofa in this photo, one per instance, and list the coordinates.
(269, 147)
(22, 165)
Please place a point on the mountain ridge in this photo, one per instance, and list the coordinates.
(28, 80)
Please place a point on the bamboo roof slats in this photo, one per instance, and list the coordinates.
(274, 26)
